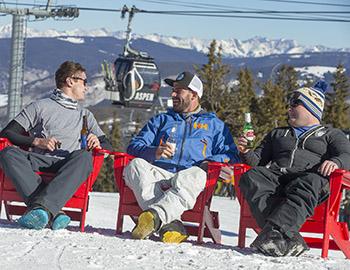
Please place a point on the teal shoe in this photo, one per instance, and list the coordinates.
(36, 219)
(60, 221)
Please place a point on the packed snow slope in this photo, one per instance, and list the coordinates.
(99, 248)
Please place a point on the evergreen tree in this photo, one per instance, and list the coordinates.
(105, 180)
(215, 92)
(243, 100)
(272, 109)
(287, 80)
(337, 110)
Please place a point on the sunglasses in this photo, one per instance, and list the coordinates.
(84, 80)
(294, 101)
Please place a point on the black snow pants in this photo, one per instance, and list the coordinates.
(285, 200)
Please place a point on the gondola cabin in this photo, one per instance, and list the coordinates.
(136, 82)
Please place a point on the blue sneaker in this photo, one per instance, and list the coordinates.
(61, 221)
(36, 219)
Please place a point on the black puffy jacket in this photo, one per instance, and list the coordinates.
(281, 149)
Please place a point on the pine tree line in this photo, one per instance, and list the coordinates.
(268, 110)
(105, 180)
(230, 102)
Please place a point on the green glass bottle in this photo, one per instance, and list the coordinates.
(248, 131)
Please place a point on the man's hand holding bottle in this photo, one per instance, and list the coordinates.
(242, 145)
(93, 141)
(165, 150)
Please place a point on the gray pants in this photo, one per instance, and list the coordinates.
(20, 166)
(169, 194)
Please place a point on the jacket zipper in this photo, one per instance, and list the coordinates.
(183, 142)
(295, 148)
(297, 142)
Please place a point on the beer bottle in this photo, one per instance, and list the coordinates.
(248, 131)
(84, 134)
(172, 138)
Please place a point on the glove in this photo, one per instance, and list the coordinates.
(226, 174)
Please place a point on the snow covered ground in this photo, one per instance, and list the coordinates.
(99, 248)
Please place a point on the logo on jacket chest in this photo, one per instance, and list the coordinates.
(197, 125)
(320, 133)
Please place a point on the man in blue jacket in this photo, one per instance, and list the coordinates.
(173, 149)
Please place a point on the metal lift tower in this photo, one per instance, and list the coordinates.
(19, 19)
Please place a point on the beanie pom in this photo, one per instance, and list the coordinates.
(321, 86)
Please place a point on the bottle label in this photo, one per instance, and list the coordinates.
(83, 142)
(249, 135)
(173, 146)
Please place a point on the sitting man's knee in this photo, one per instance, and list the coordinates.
(197, 176)
(9, 152)
(136, 163)
(247, 179)
(133, 167)
(84, 157)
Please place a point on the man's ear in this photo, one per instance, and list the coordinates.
(69, 81)
(194, 95)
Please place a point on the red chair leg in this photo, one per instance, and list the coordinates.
(120, 217)
(8, 216)
(201, 228)
(214, 232)
(82, 220)
(241, 235)
(340, 236)
(325, 240)
(202, 223)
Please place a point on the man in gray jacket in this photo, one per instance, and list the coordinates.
(290, 173)
(51, 128)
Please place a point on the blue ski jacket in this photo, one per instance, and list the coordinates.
(202, 136)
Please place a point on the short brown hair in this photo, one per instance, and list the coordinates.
(66, 70)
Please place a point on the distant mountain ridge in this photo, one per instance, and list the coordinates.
(171, 54)
(232, 48)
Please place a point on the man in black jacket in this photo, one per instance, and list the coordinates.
(290, 172)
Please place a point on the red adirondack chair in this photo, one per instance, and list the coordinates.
(76, 207)
(207, 220)
(325, 220)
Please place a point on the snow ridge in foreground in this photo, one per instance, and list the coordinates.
(99, 248)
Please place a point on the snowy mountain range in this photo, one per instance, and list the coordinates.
(253, 47)
(45, 51)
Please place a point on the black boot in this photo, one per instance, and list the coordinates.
(270, 241)
(296, 245)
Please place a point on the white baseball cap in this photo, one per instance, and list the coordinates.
(187, 80)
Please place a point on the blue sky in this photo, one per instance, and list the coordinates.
(331, 34)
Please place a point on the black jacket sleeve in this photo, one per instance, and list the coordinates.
(261, 156)
(17, 134)
(339, 149)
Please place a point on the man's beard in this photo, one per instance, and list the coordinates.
(181, 105)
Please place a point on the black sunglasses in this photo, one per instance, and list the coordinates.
(294, 101)
(84, 80)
